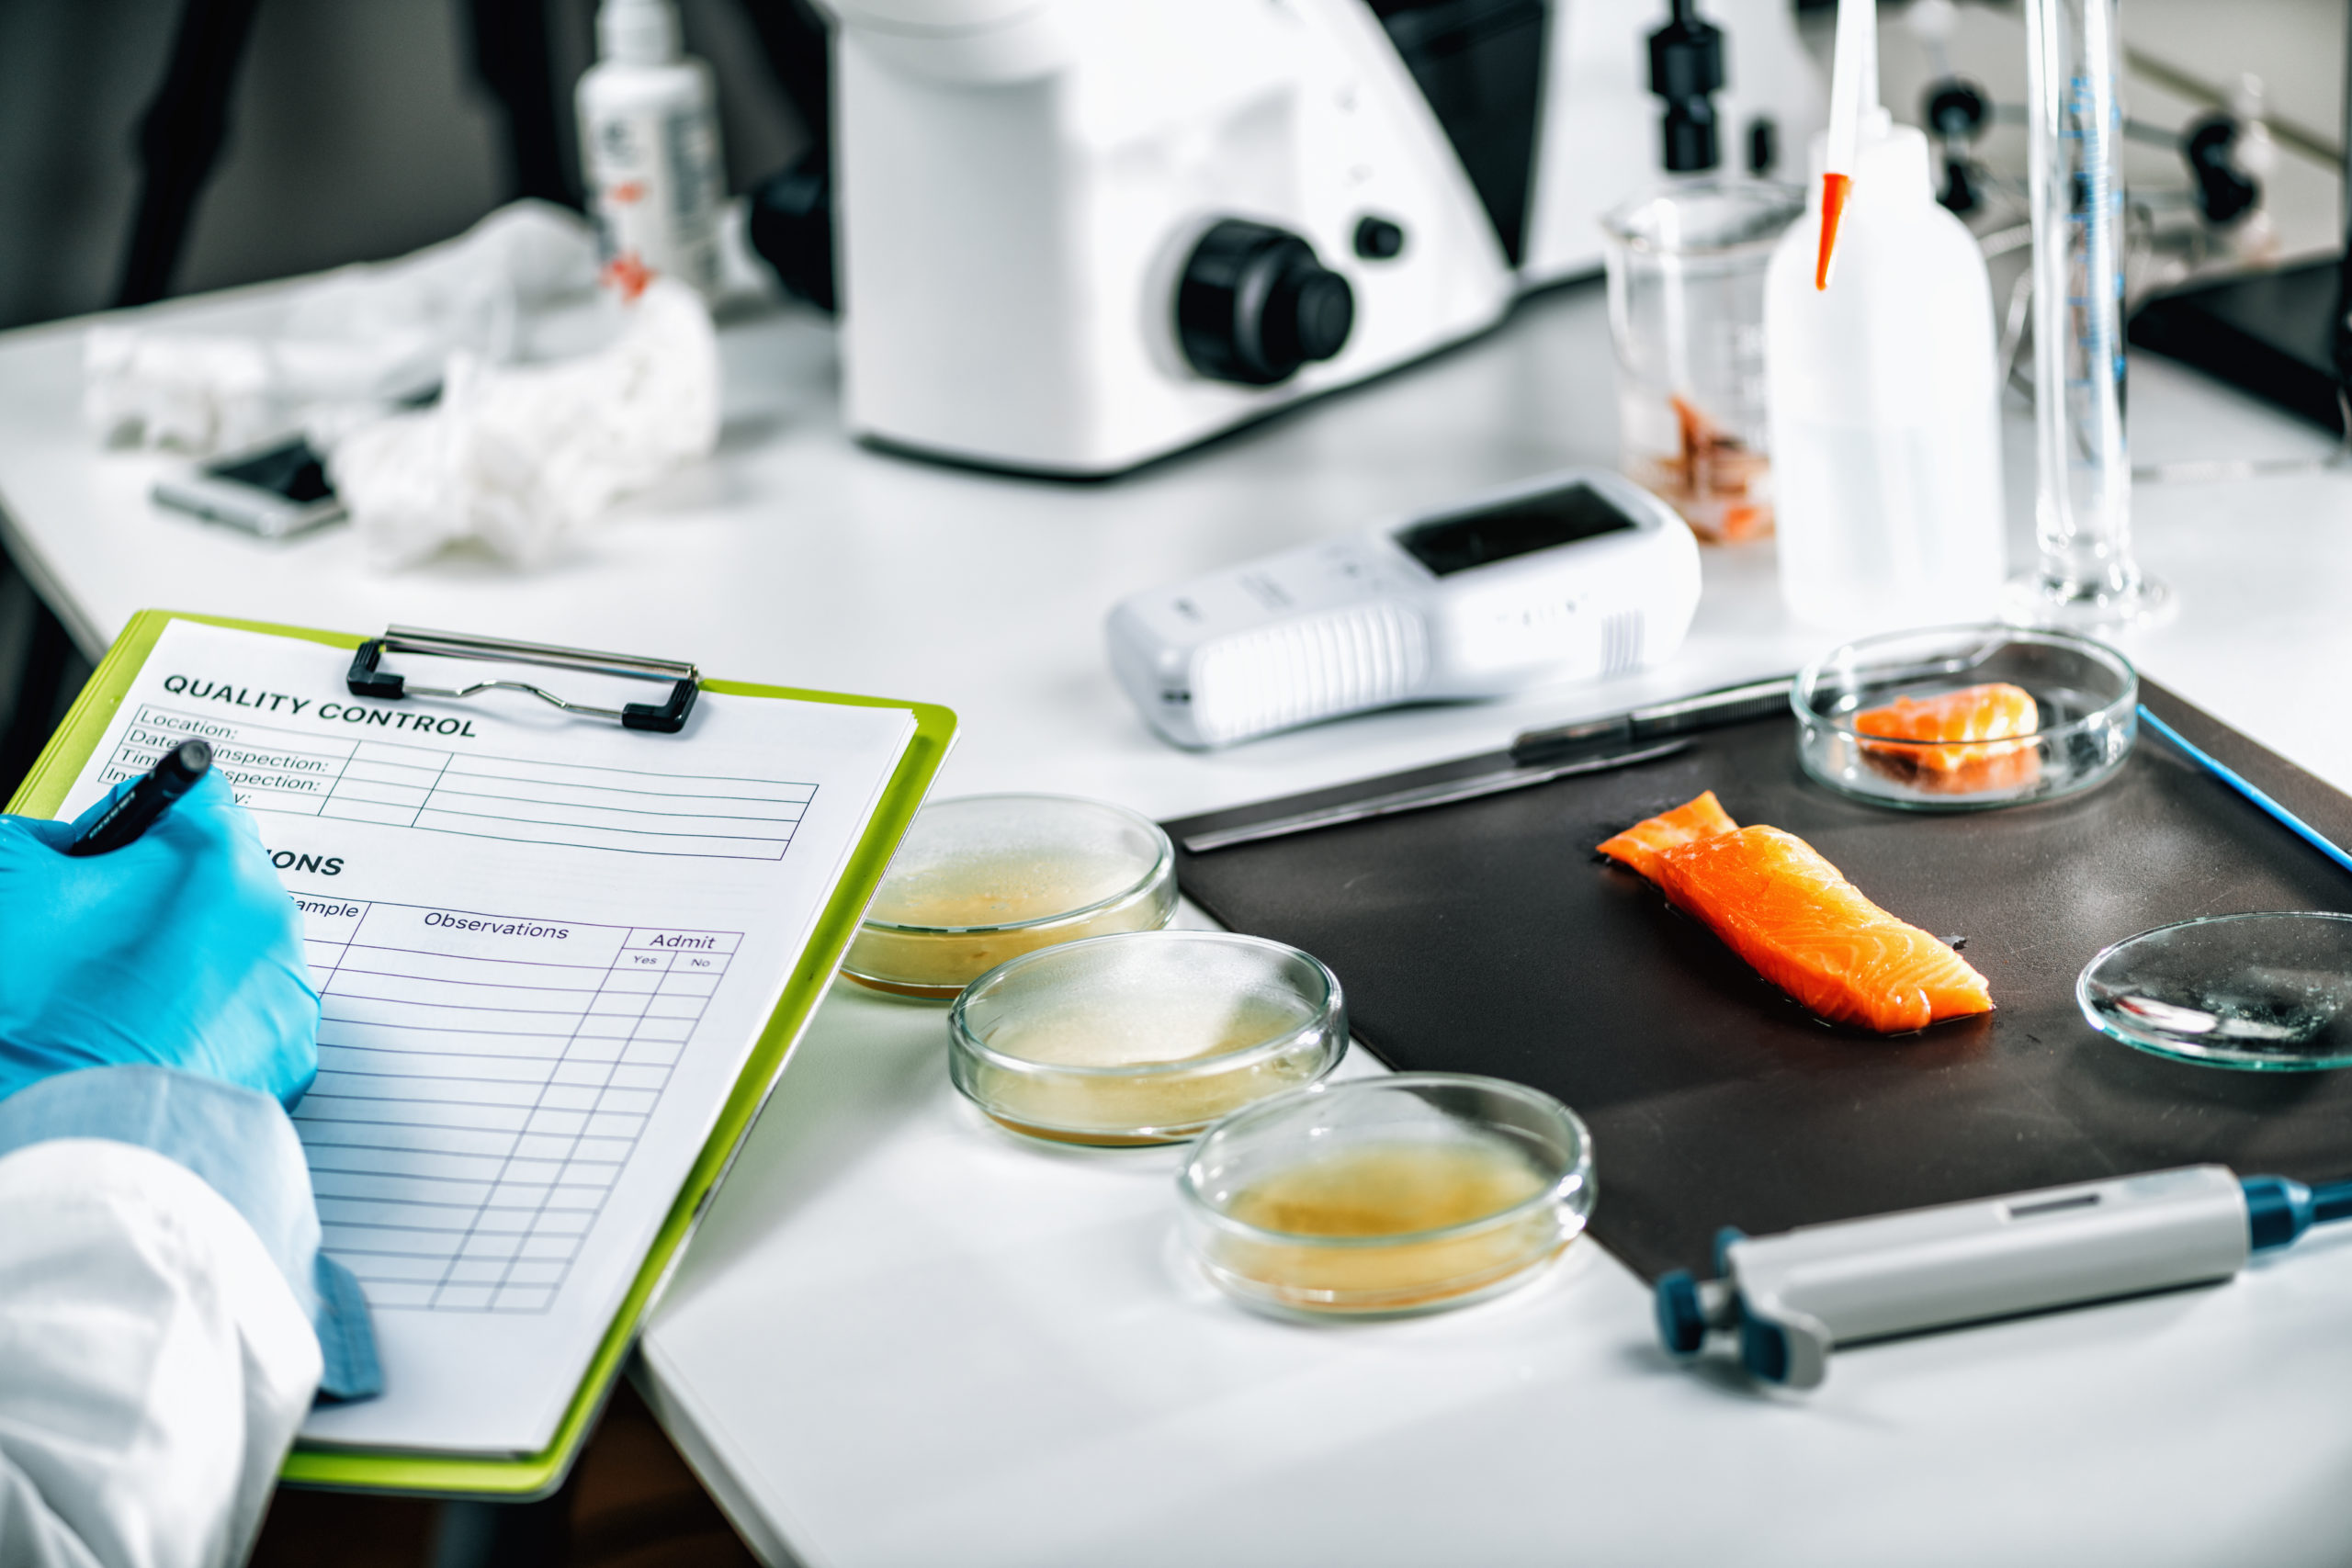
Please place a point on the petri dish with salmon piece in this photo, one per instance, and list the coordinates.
(1962, 718)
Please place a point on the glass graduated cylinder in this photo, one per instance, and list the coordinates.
(2086, 577)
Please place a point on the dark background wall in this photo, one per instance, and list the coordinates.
(358, 131)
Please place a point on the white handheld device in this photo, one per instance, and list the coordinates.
(1783, 1301)
(1572, 577)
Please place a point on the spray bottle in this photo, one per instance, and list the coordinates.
(1880, 372)
(649, 140)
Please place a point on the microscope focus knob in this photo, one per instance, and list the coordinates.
(1253, 305)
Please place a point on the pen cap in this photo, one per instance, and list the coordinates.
(177, 771)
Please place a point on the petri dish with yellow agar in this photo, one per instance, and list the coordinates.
(1145, 1037)
(1962, 718)
(1387, 1197)
(983, 878)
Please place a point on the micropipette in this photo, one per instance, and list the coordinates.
(1853, 88)
(1783, 1301)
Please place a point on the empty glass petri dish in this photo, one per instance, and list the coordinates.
(981, 878)
(2262, 993)
(1142, 1038)
(2028, 715)
(1387, 1196)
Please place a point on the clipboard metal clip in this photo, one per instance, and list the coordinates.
(370, 678)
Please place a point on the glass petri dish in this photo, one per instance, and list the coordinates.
(2085, 698)
(2263, 993)
(983, 878)
(1387, 1197)
(1145, 1037)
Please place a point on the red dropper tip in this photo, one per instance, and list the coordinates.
(1833, 208)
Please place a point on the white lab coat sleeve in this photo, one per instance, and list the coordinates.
(154, 1362)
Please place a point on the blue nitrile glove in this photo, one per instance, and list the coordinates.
(181, 947)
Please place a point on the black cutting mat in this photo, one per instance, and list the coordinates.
(1487, 938)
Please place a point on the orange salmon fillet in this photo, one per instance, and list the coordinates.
(1640, 845)
(1798, 922)
(1996, 713)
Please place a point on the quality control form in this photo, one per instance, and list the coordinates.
(544, 948)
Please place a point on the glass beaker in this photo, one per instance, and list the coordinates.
(1685, 312)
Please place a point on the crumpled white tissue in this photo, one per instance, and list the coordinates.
(513, 456)
(345, 347)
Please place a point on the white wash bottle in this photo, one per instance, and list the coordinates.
(1884, 410)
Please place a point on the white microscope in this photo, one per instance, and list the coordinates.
(1075, 235)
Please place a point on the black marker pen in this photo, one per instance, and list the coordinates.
(136, 808)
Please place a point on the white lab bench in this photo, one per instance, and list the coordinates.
(903, 1337)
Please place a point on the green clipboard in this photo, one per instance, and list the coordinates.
(533, 1475)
